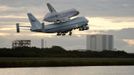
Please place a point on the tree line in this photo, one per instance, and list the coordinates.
(57, 51)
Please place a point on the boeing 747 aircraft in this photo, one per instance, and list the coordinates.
(61, 28)
(58, 17)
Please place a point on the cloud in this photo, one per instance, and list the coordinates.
(4, 34)
(105, 16)
(4, 8)
(126, 33)
(93, 8)
(20, 3)
(77, 41)
(129, 41)
(116, 11)
(107, 23)
(123, 38)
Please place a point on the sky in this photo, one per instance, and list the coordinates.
(113, 17)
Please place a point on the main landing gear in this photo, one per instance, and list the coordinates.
(63, 34)
(70, 33)
(83, 28)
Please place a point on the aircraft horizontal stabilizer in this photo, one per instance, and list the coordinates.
(18, 27)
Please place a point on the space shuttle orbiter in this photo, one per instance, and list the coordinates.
(56, 17)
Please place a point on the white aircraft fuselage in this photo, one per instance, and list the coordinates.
(63, 27)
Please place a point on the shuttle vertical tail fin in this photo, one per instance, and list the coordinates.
(35, 24)
(51, 8)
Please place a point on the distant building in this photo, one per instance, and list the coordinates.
(21, 43)
(99, 42)
(42, 43)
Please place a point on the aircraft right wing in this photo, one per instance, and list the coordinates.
(51, 8)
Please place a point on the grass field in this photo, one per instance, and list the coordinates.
(56, 62)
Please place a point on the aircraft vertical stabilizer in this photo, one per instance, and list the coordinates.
(35, 24)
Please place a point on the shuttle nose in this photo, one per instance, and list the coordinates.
(78, 13)
(46, 17)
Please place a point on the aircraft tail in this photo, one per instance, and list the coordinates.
(35, 24)
(51, 8)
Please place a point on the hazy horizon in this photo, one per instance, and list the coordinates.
(113, 17)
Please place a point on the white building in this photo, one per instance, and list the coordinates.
(99, 42)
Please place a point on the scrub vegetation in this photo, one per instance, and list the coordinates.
(58, 56)
(57, 51)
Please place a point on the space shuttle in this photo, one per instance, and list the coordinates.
(58, 17)
(61, 22)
